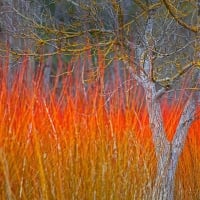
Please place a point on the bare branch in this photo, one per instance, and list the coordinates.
(174, 12)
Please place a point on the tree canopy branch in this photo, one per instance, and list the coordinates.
(174, 12)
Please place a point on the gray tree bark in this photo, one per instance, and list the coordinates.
(167, 153)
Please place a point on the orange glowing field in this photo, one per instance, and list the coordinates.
(77, 143)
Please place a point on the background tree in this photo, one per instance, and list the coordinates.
(156, 42)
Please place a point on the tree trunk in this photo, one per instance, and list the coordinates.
(165, 178)
(167, 153)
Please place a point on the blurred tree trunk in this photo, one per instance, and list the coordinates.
(15, 29)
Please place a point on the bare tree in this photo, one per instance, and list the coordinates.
(159, 34)
(167, 152)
